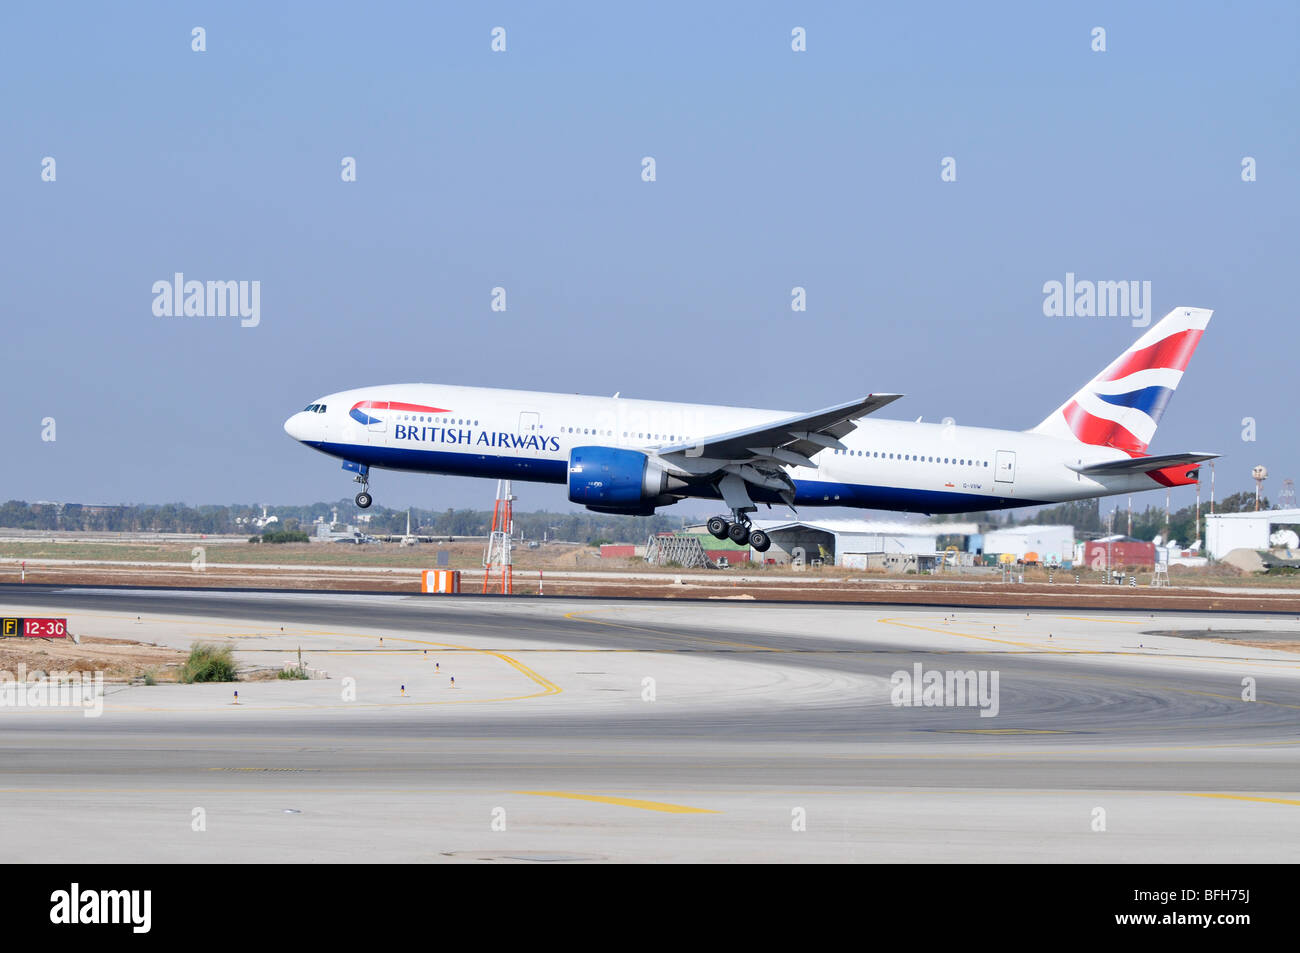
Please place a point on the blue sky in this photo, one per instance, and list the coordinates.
(522, 169)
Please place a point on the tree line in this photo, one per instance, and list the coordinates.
(1088, 518)
(238, 519)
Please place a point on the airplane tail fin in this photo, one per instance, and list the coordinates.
(1122, 405)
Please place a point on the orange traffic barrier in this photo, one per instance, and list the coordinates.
(440, 581)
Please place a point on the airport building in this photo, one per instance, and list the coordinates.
(1225, 532)
(859, 544)
(1111, 552)
(1035, 544)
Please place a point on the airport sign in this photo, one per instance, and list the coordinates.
(11, 627)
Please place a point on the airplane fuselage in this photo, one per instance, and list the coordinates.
(528, 436)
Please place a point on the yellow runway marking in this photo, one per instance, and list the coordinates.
(624, 802)
(1243, 797)
(1004, 731)
(1048, 647)
(240, 635)
(546, 685)
(1082, 618)
(1070, 752)
(967, 635)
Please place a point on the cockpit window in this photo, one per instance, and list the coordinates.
(320, 408)
(310, 408)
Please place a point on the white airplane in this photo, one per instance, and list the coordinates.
(631, 456)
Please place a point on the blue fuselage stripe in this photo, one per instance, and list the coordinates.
(492, 466)
(544, 470)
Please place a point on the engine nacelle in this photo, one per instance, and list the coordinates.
(612, 480)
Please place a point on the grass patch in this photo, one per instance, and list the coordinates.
(293, 672)
(209, 663)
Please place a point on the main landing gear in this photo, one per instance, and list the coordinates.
(739, 532)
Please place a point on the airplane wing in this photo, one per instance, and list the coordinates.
(799, 437)
(1142, 464)
(758, 455)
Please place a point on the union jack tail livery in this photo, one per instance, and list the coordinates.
(1121, 407)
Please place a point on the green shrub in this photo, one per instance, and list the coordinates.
(294, 672)
(285, 536)
(209, 663)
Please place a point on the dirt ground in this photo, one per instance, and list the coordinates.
(735, 584)
(118, 659)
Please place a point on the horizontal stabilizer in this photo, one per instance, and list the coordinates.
(1142, 464)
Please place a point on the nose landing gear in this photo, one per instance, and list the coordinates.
(363, 499)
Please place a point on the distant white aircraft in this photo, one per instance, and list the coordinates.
(631, 456)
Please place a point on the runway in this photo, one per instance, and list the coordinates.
(655, 731)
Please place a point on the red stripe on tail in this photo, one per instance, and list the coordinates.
(1173, 352)
(1100, 432)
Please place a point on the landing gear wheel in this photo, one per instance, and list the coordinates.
(718, 527)
(738, 533)
(760, 540)
(364, 500)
